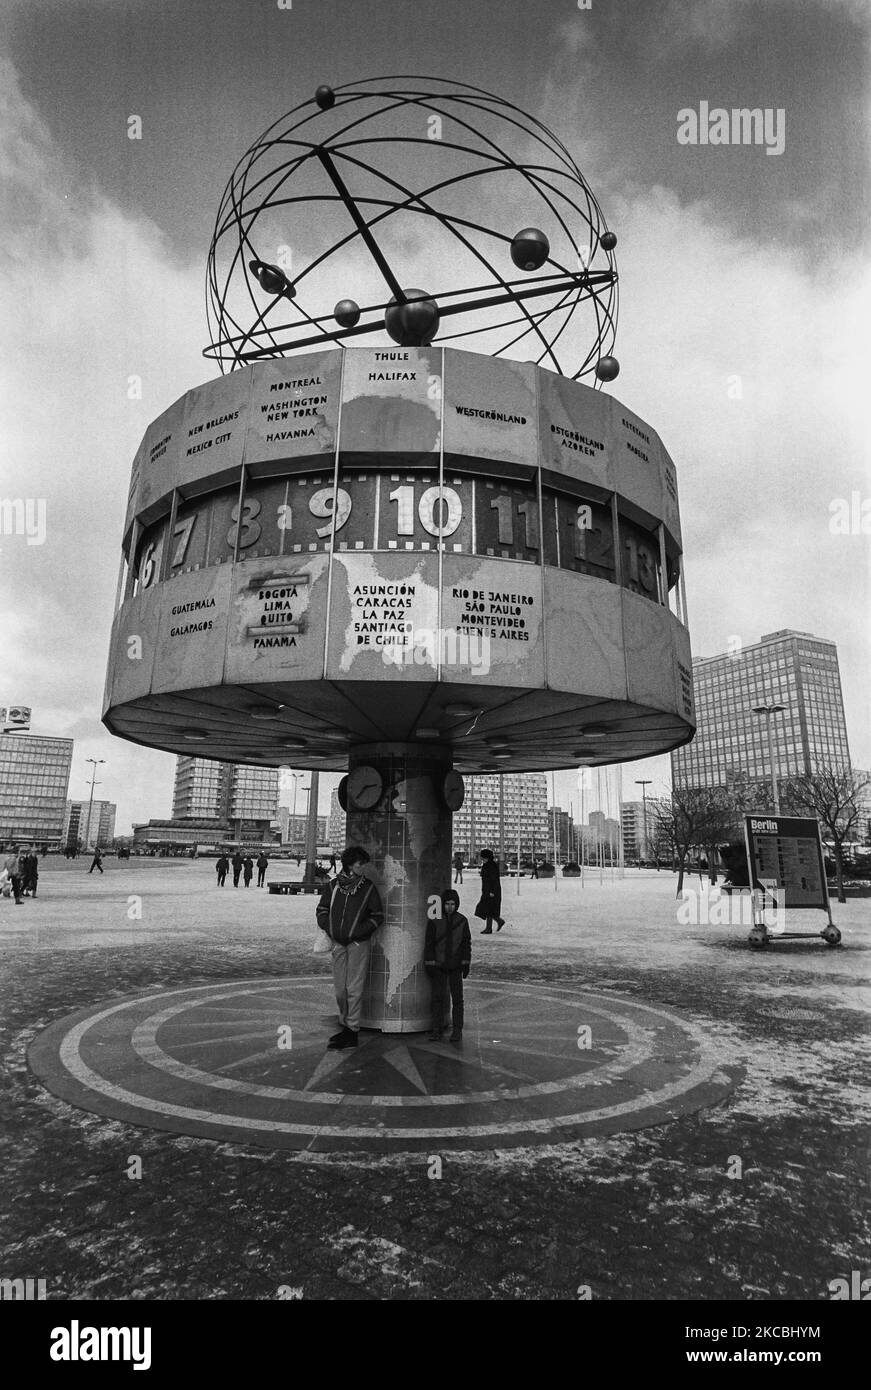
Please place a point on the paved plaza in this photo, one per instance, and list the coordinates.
(641, 1108)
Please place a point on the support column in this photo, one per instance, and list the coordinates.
(407, 833)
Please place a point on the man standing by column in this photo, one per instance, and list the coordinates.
(350, 912)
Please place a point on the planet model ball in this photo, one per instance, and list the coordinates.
(415, 323)
(607, 368)
(271, 278)
(346, 313)
(530, 249)
(608, 241)
(325, 97)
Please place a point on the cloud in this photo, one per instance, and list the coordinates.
(89, 297)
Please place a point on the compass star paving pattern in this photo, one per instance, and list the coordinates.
(246, 1062)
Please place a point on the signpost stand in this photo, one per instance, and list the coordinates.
(785, 863)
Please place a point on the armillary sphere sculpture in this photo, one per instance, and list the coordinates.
(412, 169)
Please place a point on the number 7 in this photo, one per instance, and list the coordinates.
(183, 531)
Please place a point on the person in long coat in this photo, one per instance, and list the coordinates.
(30, 864)
(238, 861)
(490, 906)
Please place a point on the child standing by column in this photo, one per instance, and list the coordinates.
(448, 957)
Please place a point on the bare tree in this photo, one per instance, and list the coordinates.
(831, 793)
(694, 818)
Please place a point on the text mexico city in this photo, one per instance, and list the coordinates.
(739, 126)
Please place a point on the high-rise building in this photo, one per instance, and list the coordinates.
(88, 824)
(336, 831)
(632, 820)
(224, 791)
(862, 831)
(561, 833)
(787, 668)
(34, 778)
(524, 811)
(296, 831)
(238, 803)
(602, 837)
(254, 794)
(202, 789)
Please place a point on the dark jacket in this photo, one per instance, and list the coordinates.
(349, 909)
(491, 885)
(448, 944)
(222, 865)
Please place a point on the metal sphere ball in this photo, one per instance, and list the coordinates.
(346, 313)
(607, 241)
(530, 249)
(414, 324)
(607, 368)
(325, 98)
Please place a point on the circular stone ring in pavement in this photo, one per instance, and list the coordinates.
(245, 1062)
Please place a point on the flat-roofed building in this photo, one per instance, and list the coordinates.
(88, 824)
(524, 814)
(34, 780)
(792, 669)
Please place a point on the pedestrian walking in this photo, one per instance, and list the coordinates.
(12, 865)
(332, 863)
(238, 861)
(490, 903)
(248, 870)
(30, 872)
(350, 912)
(262, 866)
(534, 868)
(458, 867)
(447, 957)
(221, 868)
(97, 861)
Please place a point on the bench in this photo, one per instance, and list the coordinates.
(295, 887)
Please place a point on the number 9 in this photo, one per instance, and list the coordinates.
(322, 502)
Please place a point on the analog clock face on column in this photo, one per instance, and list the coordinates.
(453, 791)
(364, 788)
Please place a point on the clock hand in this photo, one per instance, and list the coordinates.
(362, 226)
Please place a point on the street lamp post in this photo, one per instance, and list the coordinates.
(311, 829)
(94, 783)
(473, 848)
(553, 813)
(768, 710)
(643, 783)
(502, 821)
(297, 778)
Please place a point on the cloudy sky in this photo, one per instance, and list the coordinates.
(744, 283)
